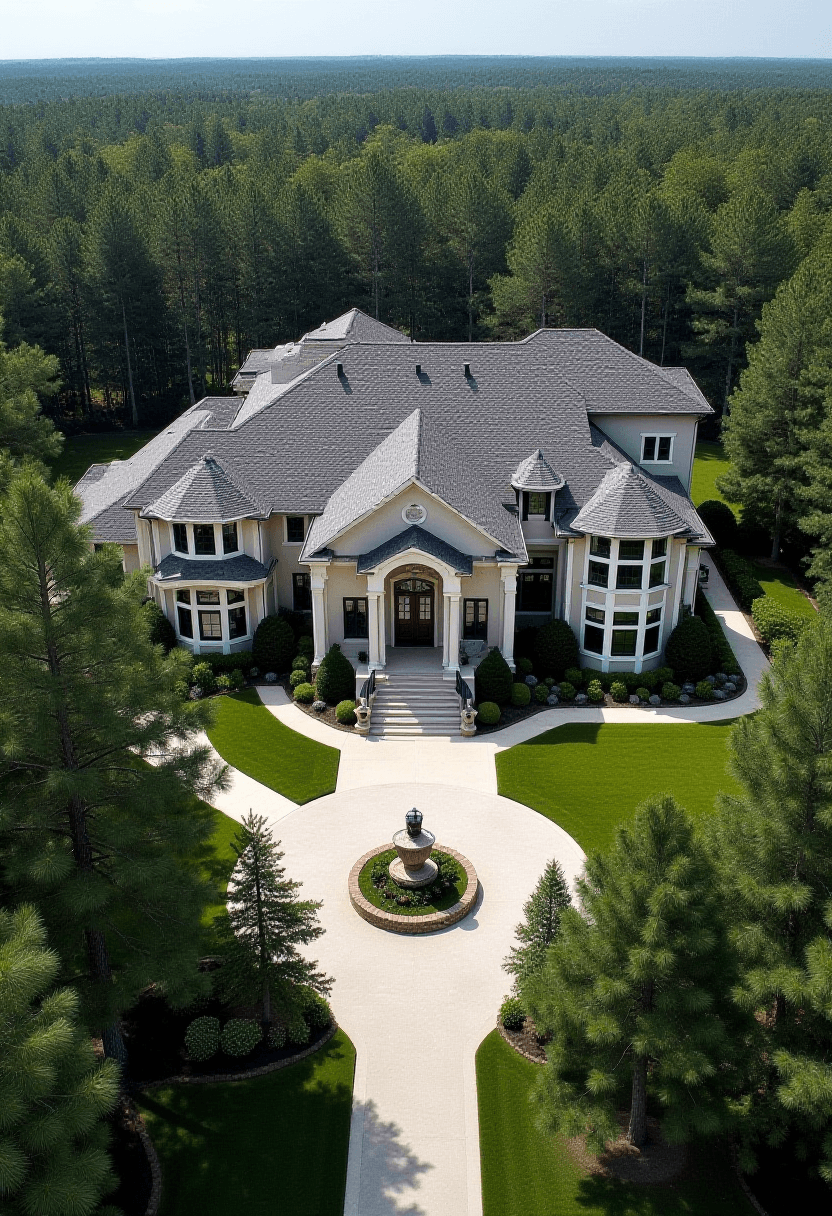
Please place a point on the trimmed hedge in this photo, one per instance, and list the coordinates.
(225, 664)
(740, 577)
(775, 622)
(298, 677)
(689, 651)
(722, 656)
(273, 645)
(556, 648)
(335, 680)
(493, 680)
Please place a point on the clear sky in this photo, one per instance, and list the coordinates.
(42, 29)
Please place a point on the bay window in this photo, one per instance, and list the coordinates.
(625, 620)
(221, 614)
(230, 543)
(180, 538)
(183, 613)
(204, 542)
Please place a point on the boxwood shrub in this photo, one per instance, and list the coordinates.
(541, 693)
(775, 622)
(643, 693)
(302, 662)
(335, 680)
(567, 691)
(345, 712)
(316, 1011)
(273, 645)
(704, 690)
(740, 577)
(574, 676)
(595, 691)
(306, 645)
(689, 650)
(240, 1036)
(202, 1038)
(525, 667)
(619, 690)
(298, 677)
(670, 692)
(493, 680)
(203, 675)
(489, 712)
(521, 694)
(512, 1013)
(556, 648)
(305, 693)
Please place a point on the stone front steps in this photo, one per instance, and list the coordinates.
(415, 703)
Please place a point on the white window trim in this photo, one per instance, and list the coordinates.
(657, 435)
(218, 549)
(295, 544)
(623, 599)
(213, 645)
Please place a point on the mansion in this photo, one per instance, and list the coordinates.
(409, 494)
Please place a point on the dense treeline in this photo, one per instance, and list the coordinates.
(150, 241)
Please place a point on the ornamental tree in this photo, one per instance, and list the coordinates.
(264, 926)
(542, 912)
(53, 1095)
(103, 841)
(634, 990)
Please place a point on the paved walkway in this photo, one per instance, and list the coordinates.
(418, 1008)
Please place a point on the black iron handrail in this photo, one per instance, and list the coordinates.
(368, 688)
(463, 691)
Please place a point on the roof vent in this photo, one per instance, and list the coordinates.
(339, 367)
(467, 371)
(418, 369)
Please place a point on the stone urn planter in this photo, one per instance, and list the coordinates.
(468, 723)
(362, 718)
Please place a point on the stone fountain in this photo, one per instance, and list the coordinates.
(413, 867)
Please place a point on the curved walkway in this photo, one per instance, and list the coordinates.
(417, 1008)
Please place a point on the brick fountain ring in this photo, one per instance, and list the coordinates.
(413, 868)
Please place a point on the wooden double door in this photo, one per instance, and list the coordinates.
(413, 605)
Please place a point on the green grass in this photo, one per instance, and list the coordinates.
(80, 451)
(526, 1172)
(709, 463)
(273, 1144)
(446, 900)
(254, 741)
(588, 777)
(780, 585)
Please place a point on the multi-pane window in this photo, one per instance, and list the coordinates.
(207, 597)
(355, 617)
(537, 504)
(599, 546)
(656, 448)
(212, 607)
(295, 529)
(230, 543)
(594, 629)
(237, 622)
(599, 574)
(210, 626)
(183, 613)
(657, 568)
(536, 585)
(653, 631)
(629, 577)
(302, 592)
(624, 643)
(180, 538)
(475, 619)
(204, 543)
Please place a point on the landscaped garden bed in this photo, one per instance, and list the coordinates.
(381, 891)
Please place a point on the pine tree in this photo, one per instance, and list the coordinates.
(264, 926)
(27, 375)
(773, 843)
(53, 1095)
(104, 842)
(541, 926)
(634, 991)
(542, 266)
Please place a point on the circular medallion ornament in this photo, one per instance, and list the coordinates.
(414, 514)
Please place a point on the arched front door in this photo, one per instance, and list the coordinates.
(413, 608)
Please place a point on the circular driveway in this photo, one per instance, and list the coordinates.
(416, 1008)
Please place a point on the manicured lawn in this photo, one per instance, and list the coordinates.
(80, 451)
(273, 1144)
(249, 737)
(526, 1172)
(589, 777)
(709, 463)
(780, 585)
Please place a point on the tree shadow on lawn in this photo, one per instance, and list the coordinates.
(388, 1167)
(707, 1188)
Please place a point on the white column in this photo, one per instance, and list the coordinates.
(445, 627)
(668, 626)
(319, 631)
(567, 590)
(509, 581)
(373, 629)
(692, 576)
(454, 631)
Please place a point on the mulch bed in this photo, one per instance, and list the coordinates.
(656, 1163)
(524, 1041)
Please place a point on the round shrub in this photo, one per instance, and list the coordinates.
(240, 1036)
(306, 645)
(512, 1013)
(574, 676)
(525, 667)
(298, 677)
(643, 694)
(704, 690)
(237, 679)
(556, 648)
(160, 631)
(202, 1038)
(720, 521)
(567, 691)
(273, 645)
(298, 1031)
(541, 694)
(662, 675)
(689, 650)
(224, 683)
(521, 694)
(595, 691)
(335, 680)
(489, 712)
(619, 690)
(316, 1011)
(277, 1036)
(305, 693)
(493, 680)
(670, 692)
(203, 675)
(630, 679)
(345, 713)
(302, 662)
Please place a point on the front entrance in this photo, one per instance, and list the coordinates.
(413, 606)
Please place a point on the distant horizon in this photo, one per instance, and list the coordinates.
(394, 55)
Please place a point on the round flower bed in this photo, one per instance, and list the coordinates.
(377, 898)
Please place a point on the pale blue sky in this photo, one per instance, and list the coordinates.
(36, 29)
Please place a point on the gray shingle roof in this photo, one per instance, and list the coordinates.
(416, 538)
(535, 473)
(293, 446)
(241, 569)
(356, 326)
(208, 491)
(627, 504)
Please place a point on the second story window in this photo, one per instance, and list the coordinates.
(204, 542)
(657, 449)
(180, 538)
(535, 505)
(295, 529)
(230, 543)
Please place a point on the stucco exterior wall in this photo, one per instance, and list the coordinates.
(131, 558)
(387, 522)
(626, 431)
